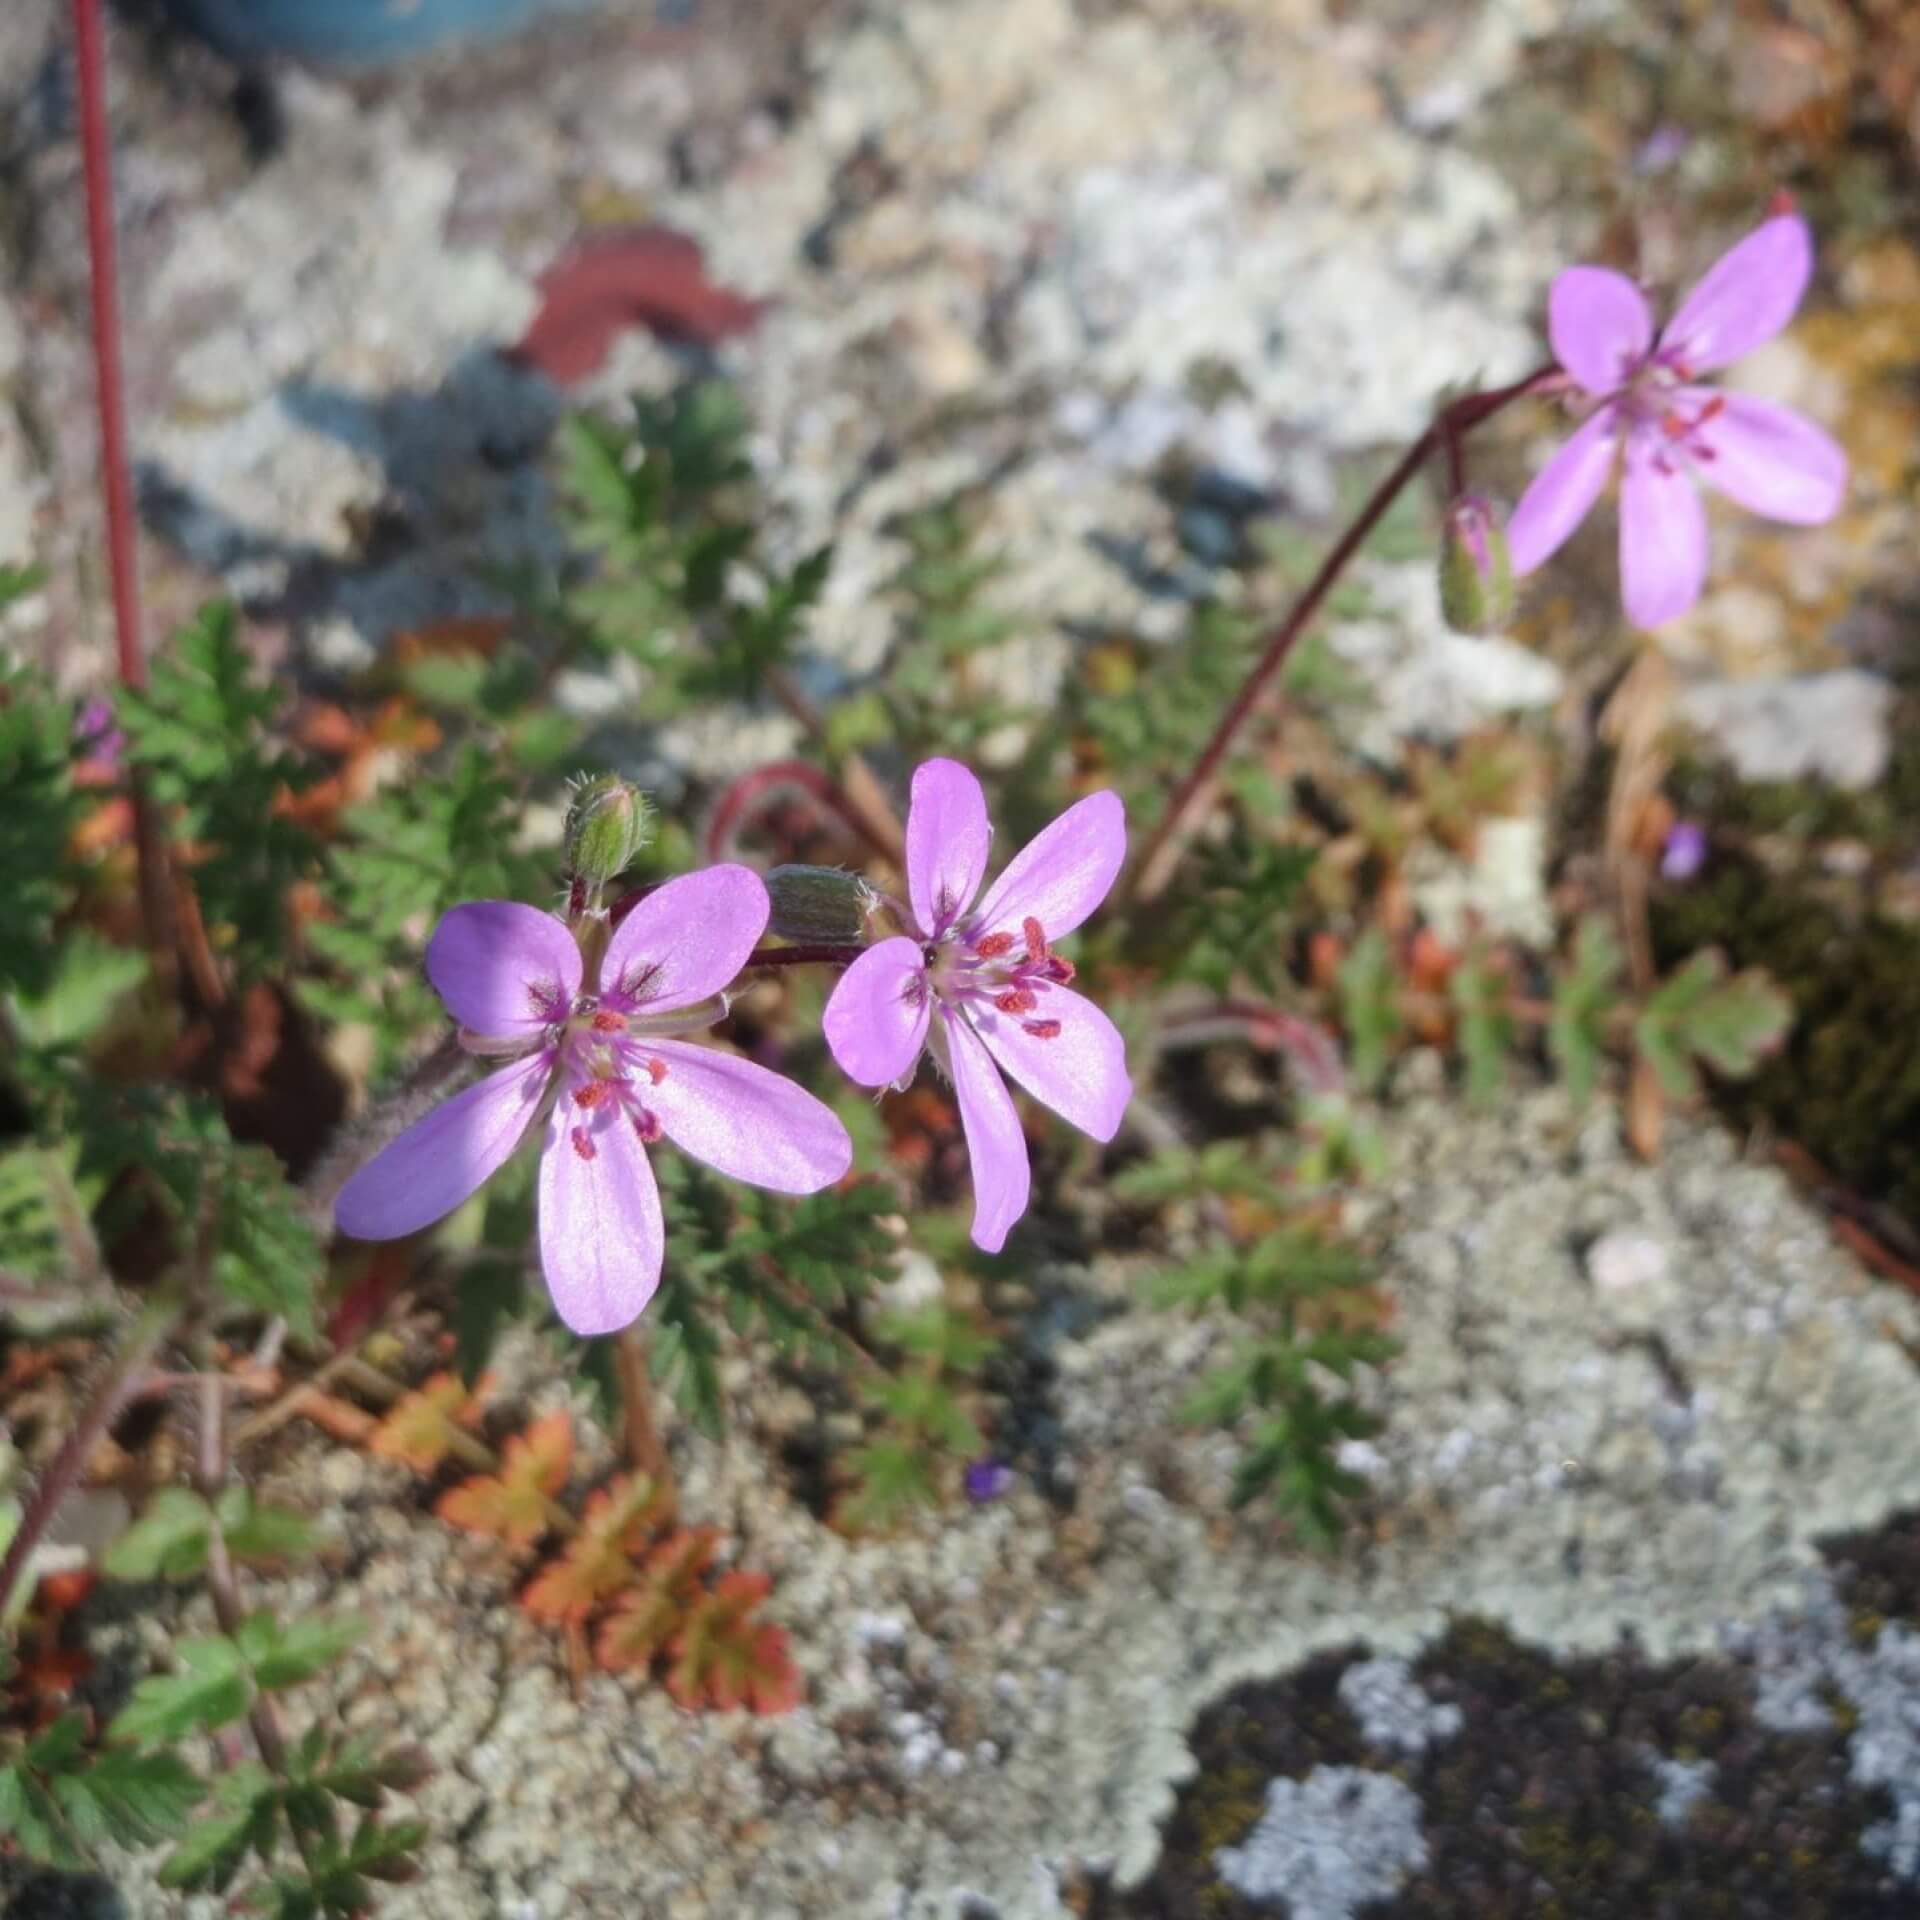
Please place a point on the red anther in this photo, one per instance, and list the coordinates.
(1781, 202)
(656, 1069)
(583, 1144)
(1715, 406)
(609, 1023)
(646, 1123)
(994, 945)
(1017, 1000)
(1041, 1029)
(592, 1093)
(1060, 969)
(1036, 938)
(1674, 425)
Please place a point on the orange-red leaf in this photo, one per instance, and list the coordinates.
(657, 1603)
(420, 1429)
(512, 1505)
(598, 1561)
(724, 1658)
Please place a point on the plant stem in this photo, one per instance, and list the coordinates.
(872, 810)
(645, 1450)
(223, 1586)
(110, 1394)
(883, 837)
(804, 954)
(123, 552)
(1155, 864)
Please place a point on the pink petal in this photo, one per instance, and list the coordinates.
(1062, 874)
(685, 941)
(1562, 494)
(746, 1122)
(1081, 1073)
(1772, 461)
(876, 1020)
(947, 839)
(601, 1237)
(501, 968)
(1599, 325)
(995, 1144)
(1747, 296)
(1663, 535)
(444, 1157)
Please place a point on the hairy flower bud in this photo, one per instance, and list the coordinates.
(818, 903)
(1476, 572)
(608, 823)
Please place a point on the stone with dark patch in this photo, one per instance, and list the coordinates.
(1545, 1805)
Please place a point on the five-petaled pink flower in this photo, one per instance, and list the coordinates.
(991, 974)
(591, 1062)
(1666, 430)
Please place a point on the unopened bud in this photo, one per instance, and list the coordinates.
(607, 825)
(819, 903)
(1476, 570)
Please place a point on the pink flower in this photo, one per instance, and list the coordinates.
(1666, 430)
(590, 1062)
(992, 975)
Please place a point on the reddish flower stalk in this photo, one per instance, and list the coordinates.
(812, 954)
(1161, 852)
(90, 57)
(737, 804)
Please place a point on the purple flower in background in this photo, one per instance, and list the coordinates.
(1666, 431)
(589, 1060)
(1685, 850)
(992, 975)
(97, 735)
(988, 1480)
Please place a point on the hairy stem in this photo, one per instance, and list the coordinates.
(111, 1392)
(805, 954)
(1156, 862)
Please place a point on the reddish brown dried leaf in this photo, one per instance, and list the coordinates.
(598, 1561)
(512, 1505)
(419, 1430)
(724, 1658)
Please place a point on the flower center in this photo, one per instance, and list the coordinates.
(969, 968)
(606, 1072)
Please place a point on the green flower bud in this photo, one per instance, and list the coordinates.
(1476, 571)
(607, 825)
(819, 903)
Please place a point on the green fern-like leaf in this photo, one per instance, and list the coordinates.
(202, 731)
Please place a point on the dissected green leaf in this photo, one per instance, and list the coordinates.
(203, 731)
(285, 1655)
(88, 980)
(209, 1690)
(167, 1542)
(1369, 1006)
(1700, 1013)
(261, 1535)
(1478, 990)
(1585, 995)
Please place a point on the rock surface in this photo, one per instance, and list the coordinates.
(1001, 1700)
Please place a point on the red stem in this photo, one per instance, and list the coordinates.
(116, 470)
(117, 473)
(739, 800)
(1155, 864)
